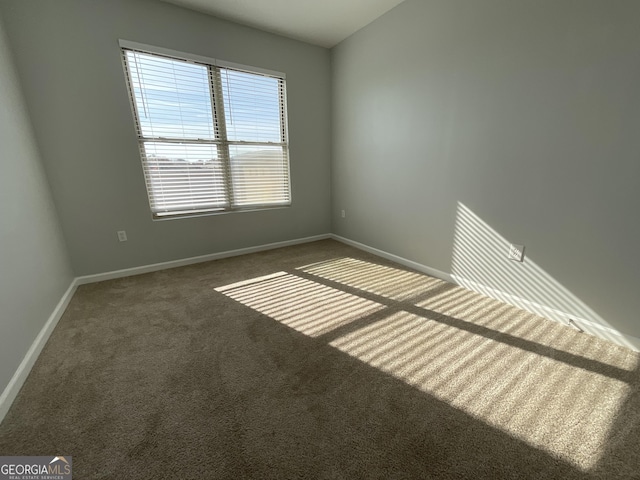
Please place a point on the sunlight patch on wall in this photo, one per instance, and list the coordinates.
(479, 263)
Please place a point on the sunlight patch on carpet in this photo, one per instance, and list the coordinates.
(304, 305)
(564, 410)
(540, 382)
(369, 277)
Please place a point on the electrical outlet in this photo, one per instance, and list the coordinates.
(344, 214)
(122, 236)
(516, 253)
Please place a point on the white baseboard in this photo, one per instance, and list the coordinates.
(128, 272)
(589, 326)
(18, 379)
(15, 384)
(395, 258)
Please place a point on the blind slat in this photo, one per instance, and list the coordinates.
(179, 129)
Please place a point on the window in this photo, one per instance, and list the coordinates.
(212, 136)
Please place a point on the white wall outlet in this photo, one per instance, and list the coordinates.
(344, 213)
(516, 252)
(122, 236)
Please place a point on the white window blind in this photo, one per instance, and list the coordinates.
(212, 138)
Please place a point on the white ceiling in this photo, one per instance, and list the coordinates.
(321, 22)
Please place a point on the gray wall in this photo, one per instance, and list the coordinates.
(34, 267)
(68, 60)
(457, 126)
(462, 125)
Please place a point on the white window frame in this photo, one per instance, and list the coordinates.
(222, 143)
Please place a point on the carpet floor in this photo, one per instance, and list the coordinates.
(322, 361)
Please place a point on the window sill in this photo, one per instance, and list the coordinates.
(210, 213)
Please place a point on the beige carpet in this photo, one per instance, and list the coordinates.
(320, 361)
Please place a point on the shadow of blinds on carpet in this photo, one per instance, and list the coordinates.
(508, 368)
